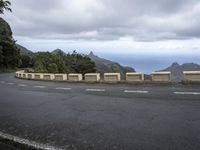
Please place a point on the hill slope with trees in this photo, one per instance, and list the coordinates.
(9, 53)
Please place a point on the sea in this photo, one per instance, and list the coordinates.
(149, 63)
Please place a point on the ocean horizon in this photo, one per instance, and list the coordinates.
(149, 63)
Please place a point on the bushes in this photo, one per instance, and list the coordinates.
(46, 62)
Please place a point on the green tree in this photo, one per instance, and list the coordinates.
(60, 63)
(39, 67)
(10, 53)
(26, 61)
(4, 5)
(52, 68)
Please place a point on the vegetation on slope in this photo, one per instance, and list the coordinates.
(9, 53)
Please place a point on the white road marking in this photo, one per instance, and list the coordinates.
(10, 83)
(39, 86)
(2, 81)
(95, 90)
(187, 93)
(23, 85)
(61, 88)
(27, 142)
(131, 91)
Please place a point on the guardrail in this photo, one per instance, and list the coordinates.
(134, 76)
(131, 77)
(161, 76)
(191, 76)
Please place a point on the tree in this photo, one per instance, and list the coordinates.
(10, 56)
(26, 61)
(52, 68)
(4, 5)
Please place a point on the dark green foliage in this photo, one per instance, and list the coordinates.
(9, 53)
(26, 61)
(4, 5)
(46, 62)
(52, 68)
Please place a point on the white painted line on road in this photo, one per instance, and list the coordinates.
(187, 93)
(61, 88)
(2, 81)
(95, 90)
(10, 83)
(131, 91)
(27, 142)
(41, 87)
(23, 85)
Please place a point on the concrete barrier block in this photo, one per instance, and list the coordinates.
(60, 77)
(20, 75)
(161, 76)
(112, 77)
(16, 74)
(37, 76)
(48, 76)
(29, 75)
(92, 77)
(75, 77)
(24, 75)
(191, 75)
(134, 76)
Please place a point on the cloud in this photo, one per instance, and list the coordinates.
(142, 20)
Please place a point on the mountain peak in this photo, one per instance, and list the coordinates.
(57, 51)
(91, 53)
(175, 64)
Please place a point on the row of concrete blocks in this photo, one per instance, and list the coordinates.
(110, 77)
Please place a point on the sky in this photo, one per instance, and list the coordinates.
(123, 27)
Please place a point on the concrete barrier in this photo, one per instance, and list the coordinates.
(19, 74)
(16, 74)
(112, 77)
(48, 76)
(91, 77)
(75, 77)
(37, 76)
(134, 76)
(24, 75)
(191, 75)
(161, 76)
(29, 75)
(60, 77)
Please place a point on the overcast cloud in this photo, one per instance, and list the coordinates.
(138, 22)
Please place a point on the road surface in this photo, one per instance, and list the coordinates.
(81, 116)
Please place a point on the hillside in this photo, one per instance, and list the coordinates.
(24, 51)
(103, 65)
(56, 51)
(177, 69)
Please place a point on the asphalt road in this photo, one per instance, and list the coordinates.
(82, 116)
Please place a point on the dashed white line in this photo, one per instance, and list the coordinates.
(95, 90)
(41, 87)
(187, 93)
(22, 85)
(61, 88)
(2, 81)
(10, 83)
(131, 91)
